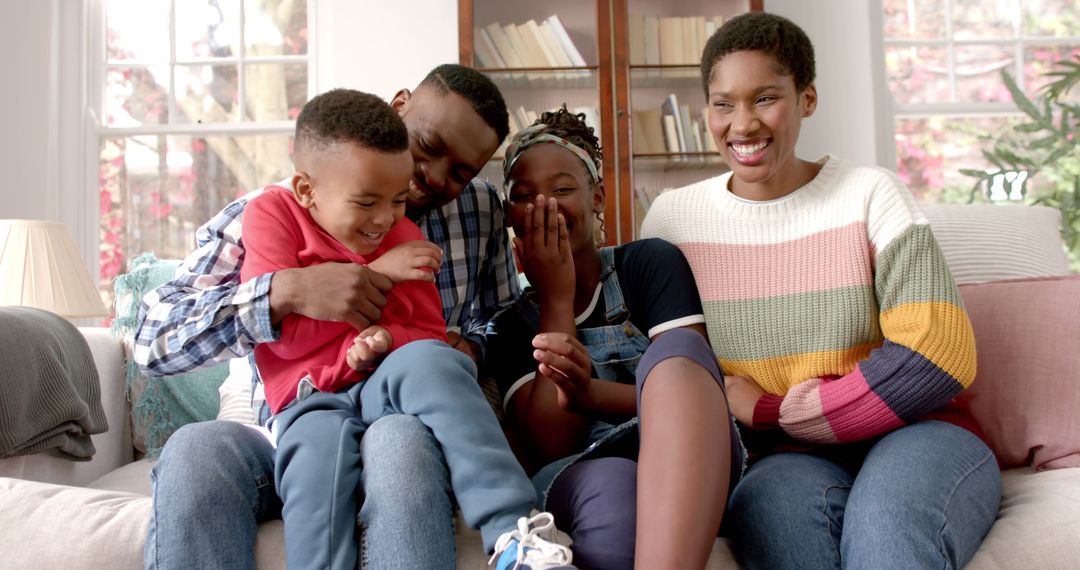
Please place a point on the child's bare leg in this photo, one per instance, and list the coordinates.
(684, 465)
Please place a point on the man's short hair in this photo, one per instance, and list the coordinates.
(477, 89)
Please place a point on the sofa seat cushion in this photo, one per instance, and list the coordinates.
(1038, 524)
(1036, 527)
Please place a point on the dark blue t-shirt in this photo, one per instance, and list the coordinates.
(658, 289)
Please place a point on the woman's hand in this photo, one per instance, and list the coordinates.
(563, 359)
(544, 252)
(742, 396)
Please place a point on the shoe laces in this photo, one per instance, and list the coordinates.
(532, 548)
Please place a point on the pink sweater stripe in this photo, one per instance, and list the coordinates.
(829, 259)
(849, 407)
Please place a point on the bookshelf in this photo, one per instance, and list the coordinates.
(627, 64)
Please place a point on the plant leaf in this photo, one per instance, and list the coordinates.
(1021, 100)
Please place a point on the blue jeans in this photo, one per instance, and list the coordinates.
(317, 463)
(924, 497)
(214, 484)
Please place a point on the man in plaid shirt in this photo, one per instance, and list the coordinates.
(214, 476)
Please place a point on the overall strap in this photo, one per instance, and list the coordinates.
(615, 307)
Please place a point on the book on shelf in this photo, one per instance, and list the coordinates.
(699, 135)
(636, 31)
(646, 131)
(529, 44)
(671, 128)
(710, 144)
(537, 37)
(487, 55)
(554, 46)
(671, 134)
(669, 40)
(564, 40)
(503, 46)
(652, 40)
(674, 132)
(689, 140)
(690, 39)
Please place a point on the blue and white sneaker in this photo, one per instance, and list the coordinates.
(527, 548)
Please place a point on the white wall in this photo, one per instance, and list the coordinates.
(853, 118)
(26, 45)
(381, 46)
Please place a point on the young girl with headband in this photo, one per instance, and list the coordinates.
(608, 382)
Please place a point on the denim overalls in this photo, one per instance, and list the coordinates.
(614, 350)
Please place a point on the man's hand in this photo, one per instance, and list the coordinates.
(369, 347)
(544, 252)
(464, 345)
(742, 396)
(344, 292)
(409, 261)
(563, 359)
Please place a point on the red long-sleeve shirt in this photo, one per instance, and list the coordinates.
(278, 233)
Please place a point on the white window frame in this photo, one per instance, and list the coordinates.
(1019, 43)
(79, 89)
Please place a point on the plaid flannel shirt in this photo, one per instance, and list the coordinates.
(205, 316)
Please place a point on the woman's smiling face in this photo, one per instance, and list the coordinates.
(755, 114)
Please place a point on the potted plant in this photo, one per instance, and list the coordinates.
(1042, 152)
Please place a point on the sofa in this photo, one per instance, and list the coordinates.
(1025, 308)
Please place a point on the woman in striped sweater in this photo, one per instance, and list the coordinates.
(840, 331)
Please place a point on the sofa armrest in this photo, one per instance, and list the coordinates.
(114, 448)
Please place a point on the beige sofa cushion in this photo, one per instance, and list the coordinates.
(988, 242)
(1038, 525)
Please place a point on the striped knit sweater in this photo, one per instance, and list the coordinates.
(835, 299)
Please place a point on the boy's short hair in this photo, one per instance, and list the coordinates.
(777, 36)
(475, 87)
(347, 115)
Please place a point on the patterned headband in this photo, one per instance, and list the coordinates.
(535, 134)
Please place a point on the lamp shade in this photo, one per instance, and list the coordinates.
(40, 267)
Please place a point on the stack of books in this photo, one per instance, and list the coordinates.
(670, 129)
(670, 40)
(527, 45)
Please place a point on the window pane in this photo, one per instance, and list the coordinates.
(918, 74)
(155, 191)
(207, 94)
(930, 153)
(1039, 60)
(136, 95)
(276, 92)
(980, 19)
(137, 29)
(207, 28)
(914, 18)
(1058, 18)
(275, 27)
(978, 73)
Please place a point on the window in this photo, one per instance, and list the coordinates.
(197, 105)
(943, 60)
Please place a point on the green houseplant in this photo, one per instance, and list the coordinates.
(1042, 152)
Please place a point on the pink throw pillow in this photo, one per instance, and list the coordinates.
(1026, 394)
